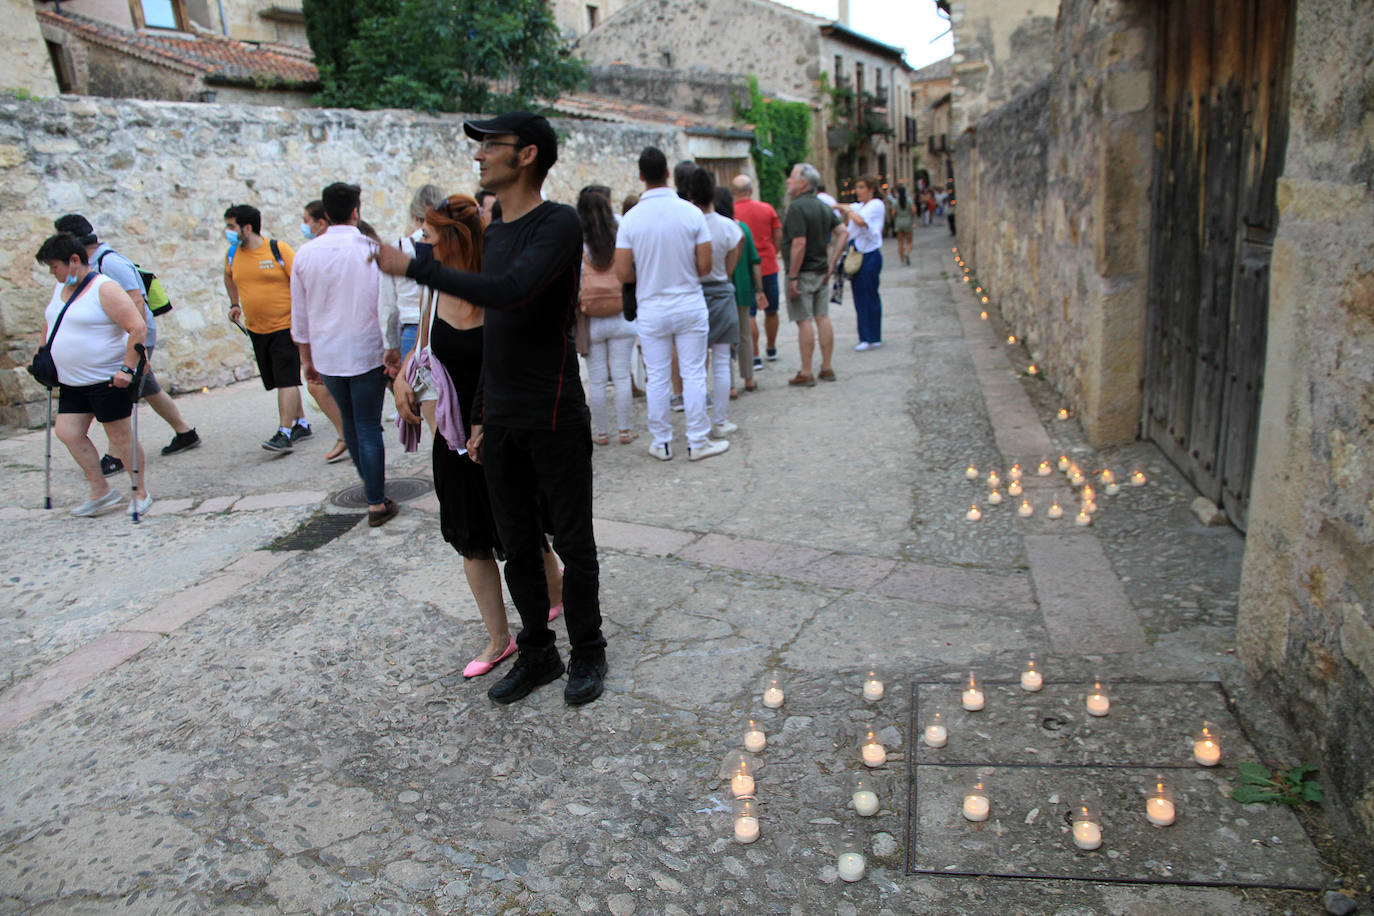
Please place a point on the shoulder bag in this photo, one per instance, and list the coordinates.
(43, 369)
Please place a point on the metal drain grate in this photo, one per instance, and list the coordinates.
(398, 488)
(316, 532)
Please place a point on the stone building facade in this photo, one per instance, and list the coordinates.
(1164, 229)
(576, 18)
(155, 178)
(930, 124)
(272, 21)
(24, 66)
(795, 57)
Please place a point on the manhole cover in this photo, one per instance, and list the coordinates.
(316, 532)
(400, 489)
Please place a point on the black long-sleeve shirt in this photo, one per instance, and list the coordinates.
(530, 273)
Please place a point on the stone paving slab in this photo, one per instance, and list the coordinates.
(59, 681)
(642, 539)
(1082, 620)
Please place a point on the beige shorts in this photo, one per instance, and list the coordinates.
(814, 301)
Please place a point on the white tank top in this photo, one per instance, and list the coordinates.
(89, 347)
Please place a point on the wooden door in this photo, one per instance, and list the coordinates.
(1221, 129)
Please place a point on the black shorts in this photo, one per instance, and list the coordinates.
(279, 362)
(107, 402)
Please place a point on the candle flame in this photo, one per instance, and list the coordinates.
(1011, 338)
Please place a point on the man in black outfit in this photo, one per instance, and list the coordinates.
(531, 429)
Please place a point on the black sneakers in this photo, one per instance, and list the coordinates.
(300, 431)
(181, 442)
(110, 465)
(280, 442)
(586, 679)
(532, 668)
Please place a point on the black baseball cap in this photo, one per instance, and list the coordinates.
(532, 129)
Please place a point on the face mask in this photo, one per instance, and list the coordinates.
(424, 251)
(71, 280)
(305, 231)
(232, 236)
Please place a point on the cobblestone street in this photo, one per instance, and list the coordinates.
(192, 723)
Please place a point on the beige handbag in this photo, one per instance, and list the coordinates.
(853, 261)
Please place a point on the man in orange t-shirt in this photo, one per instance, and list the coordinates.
(766, 228)
(258, 279)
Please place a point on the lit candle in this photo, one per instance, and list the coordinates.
(1088, 493)
(1206, 749)
(1031, 681)
(1063, 462)
(1159, 807)
(1113, 488)
(978, 289)
(1032, 369)
(850, 865)
(1090, 506)
(1025, 510)
(772, 693)
(740, 768)
(985, 300)
(1014, 488)
(754, 738)
(936, 734)
(993, 480)
(746, 820)
(1011, 338)
(973, 694)
(873, 688)
(1106, 476)
(1015, 472)
(1082, 519)
(976, 805)
(742, 784)
(1044, 470)
(874, 754)
(1055, 510)
(983, 315)
(971, 473)
(973, 514)
(1098, 704)
(994, 498)
(1087, 829)
(865, 800)
(1063, 413)
(1137, 478)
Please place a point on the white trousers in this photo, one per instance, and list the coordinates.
(660, 329)
(720, 382)
(608, 356)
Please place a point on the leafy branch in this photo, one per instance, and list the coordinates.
(1256, 784)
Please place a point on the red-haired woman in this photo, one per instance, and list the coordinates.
(448, 361)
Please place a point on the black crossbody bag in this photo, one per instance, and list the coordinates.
(43, 368)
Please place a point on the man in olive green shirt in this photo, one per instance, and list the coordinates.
(807, 231)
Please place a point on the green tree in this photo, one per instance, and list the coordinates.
(438, 55)
(782, 138)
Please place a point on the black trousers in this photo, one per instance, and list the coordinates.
(523, 467)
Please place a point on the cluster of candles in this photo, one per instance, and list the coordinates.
(1087, 821)
(964, 267)
(1077, 479)
(740, 769)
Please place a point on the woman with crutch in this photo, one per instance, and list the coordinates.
(95, 335)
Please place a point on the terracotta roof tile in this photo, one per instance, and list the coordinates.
(209, 55)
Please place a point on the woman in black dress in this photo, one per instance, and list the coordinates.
(448, 357)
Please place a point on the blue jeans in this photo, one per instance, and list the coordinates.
(360, 406)
(868, 306)
(409, 334)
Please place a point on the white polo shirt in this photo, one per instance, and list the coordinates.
(663, 231)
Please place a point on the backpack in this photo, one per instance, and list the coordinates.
(276, 256)
(159, 303)
(600, 293)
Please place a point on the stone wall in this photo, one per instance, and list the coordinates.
(1306, 626)
(1001, 48)
(24, 65)
(699, 92)
(155, 177)
(1054, 211)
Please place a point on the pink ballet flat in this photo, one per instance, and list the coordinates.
(477, 667)
(555, 611)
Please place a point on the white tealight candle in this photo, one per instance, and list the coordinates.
(1159, 811)
(936, 735)
(1207, 752)
(1063, 413)
(973, 696)
(865, 802)
(1055, 510)
(1044, 470)
(976, 806)
(1137, 478)
(971, 473)
(1015, 472)
(850, 865)
(995, 498)
(973, 514)
(1113, 488)
(1098, 705)
(746, 829)
(1063, 462)
(1014, 488)
(1025, 510)
(1082, 519)
(1031, 681)
(755, 740)
(875, 755)
(742, 784)
(772, 697)
(1087, 835)
(873, 688)
(993, 480)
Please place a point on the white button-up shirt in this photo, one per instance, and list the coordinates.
(334, 290)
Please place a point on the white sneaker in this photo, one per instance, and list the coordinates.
(717, 447)
(862, 346)
(662, 451)
(141, 506)
(875, 345)
(94, 507)
(721, 430)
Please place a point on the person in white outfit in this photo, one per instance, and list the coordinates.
(663, 246)
(726, 241)
(610, 337)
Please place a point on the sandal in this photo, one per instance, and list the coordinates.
(751, 386)
(627, 436)
(379, 517)
(601, 439)
(338, 453)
